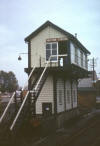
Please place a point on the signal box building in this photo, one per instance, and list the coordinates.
(59, 60)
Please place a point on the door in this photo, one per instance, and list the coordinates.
(62, 49)
(47, 109)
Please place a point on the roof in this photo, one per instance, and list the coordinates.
(69, 35)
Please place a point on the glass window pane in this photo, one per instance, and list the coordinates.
(54, 52)
(81, 54)
(51, 49)
(76, 55)
(48, 54)
(53, 58)
(54, 46)
(48, 46)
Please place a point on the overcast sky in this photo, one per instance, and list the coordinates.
(18, 18)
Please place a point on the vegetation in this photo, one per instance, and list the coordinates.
(8, 81)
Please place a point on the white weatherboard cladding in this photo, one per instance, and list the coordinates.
(60, 87)
(68, 88)
(46, 95)
(38, 45)
(74, 87)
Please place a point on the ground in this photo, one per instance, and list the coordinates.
(83, 130)
(79, 132)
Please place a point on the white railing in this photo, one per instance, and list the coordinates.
(28, 94)
(63, 55)
(34, 89)
(12, 97)
(19, 111)
(42, 73)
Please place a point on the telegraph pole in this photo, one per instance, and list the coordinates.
(93, 69)
(92, 65)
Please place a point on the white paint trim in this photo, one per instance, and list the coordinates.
(51, 53)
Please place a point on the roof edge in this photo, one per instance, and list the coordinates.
(48, 23)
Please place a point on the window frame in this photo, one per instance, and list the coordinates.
(51, 51)
(76, 55)
(86, 62)
(81, 58)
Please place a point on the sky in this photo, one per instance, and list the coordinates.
(18, 18)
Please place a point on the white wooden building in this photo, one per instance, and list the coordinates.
(68, 63)
(56, 61)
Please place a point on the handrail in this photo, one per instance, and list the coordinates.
(12, 97)
(63, 55)
(19, 111)
(34, 88)
(28, 77)
(7, 107)
(42, 74)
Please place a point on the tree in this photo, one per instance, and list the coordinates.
(8, 81)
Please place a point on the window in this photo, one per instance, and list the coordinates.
(76, 55)
(86, 62)
(60, 97)
(52, 49)
(81, 55)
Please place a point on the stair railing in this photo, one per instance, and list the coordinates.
(42, 73)
(12, 97)
(34, 89)
(49, 60)
(19, 111)
(28, 94)
(22, 102)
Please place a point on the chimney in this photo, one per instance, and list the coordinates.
(75, 35)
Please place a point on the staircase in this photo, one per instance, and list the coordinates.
(39, 84)
(19, 120)
(24, 109)
(37, 89)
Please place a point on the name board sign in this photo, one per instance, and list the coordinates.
(56, 39)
